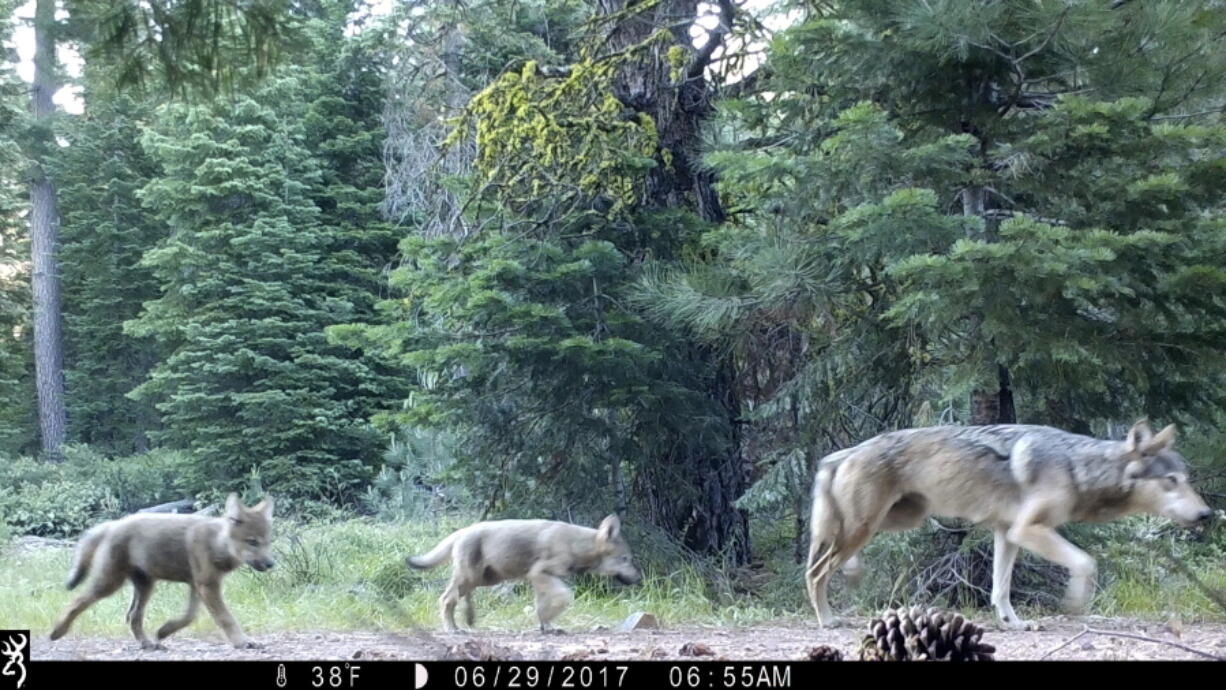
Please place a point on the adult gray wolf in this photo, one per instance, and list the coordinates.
(1023, 481)
(539, 551)
(194, 549)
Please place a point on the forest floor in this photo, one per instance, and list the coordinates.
(759, 642)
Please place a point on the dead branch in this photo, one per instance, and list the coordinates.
(1084, 630)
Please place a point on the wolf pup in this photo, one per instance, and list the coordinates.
(1022, 481)
(539, 551)
(194, 549)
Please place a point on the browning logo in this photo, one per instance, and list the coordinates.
(14, 650)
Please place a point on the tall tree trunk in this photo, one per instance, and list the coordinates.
(703, 513)
(988, 406)
(44, 237)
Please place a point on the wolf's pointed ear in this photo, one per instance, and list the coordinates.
(609, 528)
(234, 507)
(265, 507)
(1138, 436)
(1160, 441)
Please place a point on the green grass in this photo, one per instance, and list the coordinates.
(1148, 593)
(351, 575)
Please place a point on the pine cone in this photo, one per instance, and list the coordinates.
(825, 653)
(902, 635)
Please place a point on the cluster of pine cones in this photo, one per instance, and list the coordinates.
(916, 635)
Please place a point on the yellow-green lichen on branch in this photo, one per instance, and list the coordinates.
(562, 134)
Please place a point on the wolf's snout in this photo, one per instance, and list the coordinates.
(629, 579)
(1204, 516)
(262, 564)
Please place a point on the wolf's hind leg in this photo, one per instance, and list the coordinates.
(470, 611)
(1004, 555)
(142, 589)
(457, 589)
(104, 585)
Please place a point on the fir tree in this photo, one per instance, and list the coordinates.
(105, 232)
(18, 421)
(249, 281)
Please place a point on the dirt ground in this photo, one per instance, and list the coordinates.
(766, 642)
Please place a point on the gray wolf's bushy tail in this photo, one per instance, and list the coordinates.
(84, 556)
(436, 556)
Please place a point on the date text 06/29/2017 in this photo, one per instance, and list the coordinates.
(581, 675)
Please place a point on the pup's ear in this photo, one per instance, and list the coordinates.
(265, 507)
(1160, 441)
(609, 528)
(234, 507)
(1138, 437)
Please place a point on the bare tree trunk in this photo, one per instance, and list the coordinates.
(44, 237)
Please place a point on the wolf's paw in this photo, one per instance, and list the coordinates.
(248, 644)
(150, 646)
(553, 631)
(834, 622)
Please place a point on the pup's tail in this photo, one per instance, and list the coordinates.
(436, 556)
(84, 556)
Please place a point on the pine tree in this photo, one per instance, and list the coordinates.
(1022, 193)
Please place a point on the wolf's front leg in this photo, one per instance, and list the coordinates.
(552, 597)
(210, 592)
(1044, 540)
(174, 625)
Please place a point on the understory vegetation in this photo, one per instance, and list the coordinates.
(408, 265)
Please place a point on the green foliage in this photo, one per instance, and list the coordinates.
(202, 46)
(64, 499)
(418, 479)
(104, 233)
(137, 481)
(520, 346)
(249, 280)
(58, 508)
(18, 426)
(516, 320)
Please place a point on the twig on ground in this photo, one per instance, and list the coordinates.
(1084, 629)
(1145, 638)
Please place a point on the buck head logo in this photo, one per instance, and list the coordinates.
(15, 653)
